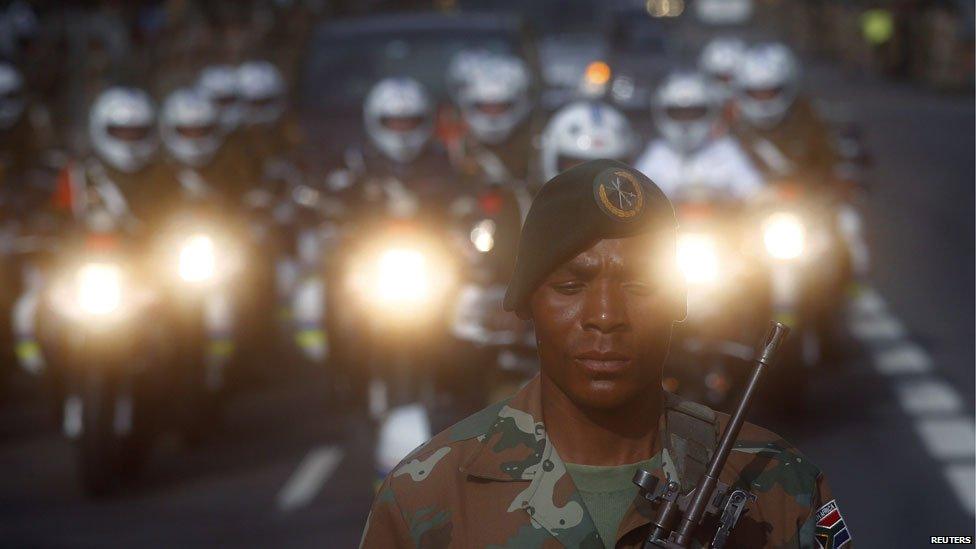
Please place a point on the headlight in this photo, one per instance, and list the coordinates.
(784, 235)
(698, 258)
(98, 289)
(198, 259)
(401, 279)
(402, 276)
(483, 235)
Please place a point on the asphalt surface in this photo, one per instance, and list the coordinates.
(890, 419)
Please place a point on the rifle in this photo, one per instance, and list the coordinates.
(709, 496)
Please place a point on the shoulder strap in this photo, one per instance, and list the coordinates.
(692, 434)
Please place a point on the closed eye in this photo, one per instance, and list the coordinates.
(639, 288)
(568, 288)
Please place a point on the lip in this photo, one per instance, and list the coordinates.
(605, 356)
(602, 363)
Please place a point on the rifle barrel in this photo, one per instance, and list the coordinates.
(703, 492)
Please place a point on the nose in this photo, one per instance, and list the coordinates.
(605, 309)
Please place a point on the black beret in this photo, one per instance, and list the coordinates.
(592, 201)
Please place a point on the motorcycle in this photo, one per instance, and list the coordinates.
(809, 270)
(725, 297)
(128, 322)
(111, 350)
(502, 345)
(202, 257)
(401, 279)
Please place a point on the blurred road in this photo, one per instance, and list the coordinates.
(891, 421)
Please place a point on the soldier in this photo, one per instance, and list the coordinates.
(552, 465)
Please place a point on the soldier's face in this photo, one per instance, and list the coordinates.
(603, 320)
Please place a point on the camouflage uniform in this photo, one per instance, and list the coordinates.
(494, 480)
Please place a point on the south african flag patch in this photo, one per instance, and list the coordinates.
(831, 532)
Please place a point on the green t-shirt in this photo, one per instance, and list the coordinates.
(607, 493)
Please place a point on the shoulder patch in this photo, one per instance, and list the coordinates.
(831, 532)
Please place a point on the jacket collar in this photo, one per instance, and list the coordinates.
(516, 442)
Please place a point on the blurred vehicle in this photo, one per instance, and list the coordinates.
(502, 344)
(727, 302)
(346, 57)
(129, 321)
(401, 279)
(809, 269)
(108, 341)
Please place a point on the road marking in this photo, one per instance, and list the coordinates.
(868, 302)
(962, 477)
(877, 327)
(906, 358)
(950, 438)
(928, 396)
(947, 432)
(311, 474)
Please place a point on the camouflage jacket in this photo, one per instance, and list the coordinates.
(494, 480)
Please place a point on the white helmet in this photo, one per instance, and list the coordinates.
(585, 130)
(190, 127)
(495, 99)
(219, 84)
(398, 118)
(262, 89)
(12, 97)
(686, 108)
(462, 67)
(720, 59)
(120, 126)
(767, 83)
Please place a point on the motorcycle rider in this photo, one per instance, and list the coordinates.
(585, 130)
(189, 126)
(263, 94)
(28, 165)
(692, 148)
(493, 98)
(220, 84)
(495, 105)
(400, 174)
(401, 155)
(121, 131)
(786, 135)
(273, 140)
(778, 124)
(719, 60)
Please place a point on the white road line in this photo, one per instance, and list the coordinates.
(311, 474)
(906, 358)
(948, 438)
(945, 429)
(962, 478)
(877, 327)
(868, 302)
(928, 396)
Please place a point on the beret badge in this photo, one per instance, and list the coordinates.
(619, 194)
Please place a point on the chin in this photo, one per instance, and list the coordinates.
(604, 394)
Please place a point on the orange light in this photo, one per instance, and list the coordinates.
(670, 384)
(598, 73)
